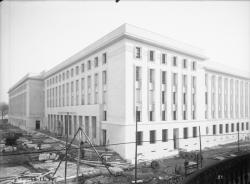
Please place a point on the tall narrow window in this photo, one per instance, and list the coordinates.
(137, 52)
(163, 58)
(152, 136)
(184, 63)
(104, 77)
(151, 55)
(104, 58)
(138, 73)
(174, 61)
(89, 64)
(82, 67)
(194, 131)
(139, 138)
(163, 77)
(96, 61)
(77, 70)
(185, 133)
(164, 135)
(151, 75)
(193, 65)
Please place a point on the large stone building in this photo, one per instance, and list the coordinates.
(26, 102)
(167, 86)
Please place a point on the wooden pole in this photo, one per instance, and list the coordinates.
(79, 157)
(200, 146)
(136, 149)
(238, 138)
(66, 149)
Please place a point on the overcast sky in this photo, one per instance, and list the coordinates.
(35, 36)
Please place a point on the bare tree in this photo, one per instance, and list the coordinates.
(3, 109)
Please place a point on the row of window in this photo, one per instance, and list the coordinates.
(152, 57)
(76, 70)
(244, 126)
(233, 102)
(151, 95)
(164, 132)
(70, 124)
(63, 94)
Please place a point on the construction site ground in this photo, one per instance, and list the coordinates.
(38, 153)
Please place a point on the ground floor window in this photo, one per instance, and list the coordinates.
(139, 138)
(214, 129)
(164, 135)
(152, 136)
(221, 128)
(194, 131)
(185, 133)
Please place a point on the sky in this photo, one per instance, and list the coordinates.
(36, 36)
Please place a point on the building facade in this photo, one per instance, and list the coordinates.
(133, 74)
(26, 102)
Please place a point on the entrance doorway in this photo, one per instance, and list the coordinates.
(176, 138)
(104, 137)
(37, 125)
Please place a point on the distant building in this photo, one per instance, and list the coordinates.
(167, 86)
(26, 102)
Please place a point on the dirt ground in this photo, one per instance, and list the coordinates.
(15, 163)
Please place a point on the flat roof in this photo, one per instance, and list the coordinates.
(25, 78)
(134, 33)
(216, 67)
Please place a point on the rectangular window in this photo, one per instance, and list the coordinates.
(163, 97)
(185, 133)
(247, 126)
(72, 72)
(82, 67)
(193, 65)
(138, 116)
(77, 70)
(194, 131)
(139, 138)
(238, 126)
(82, 91)
(151, 55)
(152, 136)
(104, 77)
(163, 115)
(96, 61)
(137, 52)
(232, 127)
(67, 74)
(164, 135)
(163, 58)
(184, 63)
(151, 75)
(163, 77)
(174, 115)
(242, 126)
(174, 61)
(94, 127)
(104, 58)
(151, 116)
(214, 129)
(70, 125)
(87, 125)
(63, 76)
(138, 73)
(89, 64)
(80, 122)
(221, 128)
(104, 115)
(227, 129)
(72, 93)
